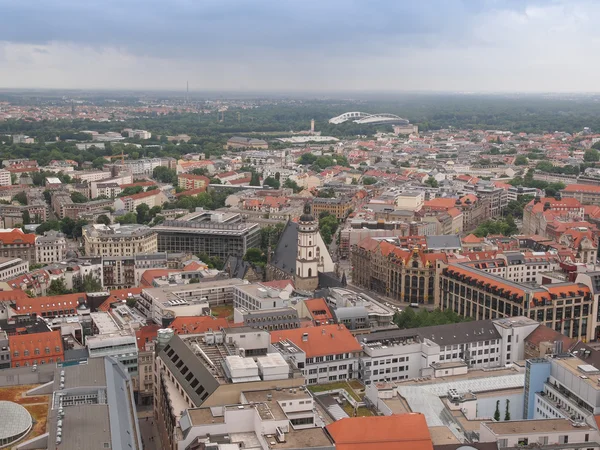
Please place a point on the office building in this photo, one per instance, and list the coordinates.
(214, 233)
(12, 267)
(51, 247)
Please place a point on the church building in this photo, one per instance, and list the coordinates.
(301, 254)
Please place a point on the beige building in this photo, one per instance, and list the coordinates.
(51, 247)
(118, 240)
(410, 200)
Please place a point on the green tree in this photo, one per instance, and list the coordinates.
(86, 283)
(98, 163)
(272, 182)
(507, 410)
(432, 182)
(521, 160)
(104, 219)
(254, 179)
(131, 302)
(291, 184)
(128, 218)
(57, 287)
(131, 190)
(256, 256)
(21, 197)
(78, 197)
(26, 218)
(143, 213)
(409, 318)
(367, 181)
(497, 412)
(591, 155)
(165, 175)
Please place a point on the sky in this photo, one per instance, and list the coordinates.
(308, 45)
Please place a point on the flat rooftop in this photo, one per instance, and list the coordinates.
(308, 438)
(203, 416)
(540, 426)
(582, 369)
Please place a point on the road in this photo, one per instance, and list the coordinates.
(149, 432)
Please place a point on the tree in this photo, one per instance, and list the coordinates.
(86, 283)
(21, 197)
(128, 218)
(57, 287)
(99, 162)
(367, 181)
(507, 411)
(104, 219)
(131, 190)
(165, 175)
(591, 155)
(131, 302)
(272, 182)
(26, 218)
(291, 184)
(497, 412)
(328, 225)
(432, 182)
(78, 197)
(142, 211)
(256, 256)
(254, 179)
(521, 160)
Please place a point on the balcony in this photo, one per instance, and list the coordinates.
(568, 406)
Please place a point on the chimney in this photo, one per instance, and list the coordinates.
(304, 337)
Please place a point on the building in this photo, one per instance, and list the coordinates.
(408, 276)
(410, 200)
(121, 346)
(542, 434)
(129, 203)
(540, 212)
(496, 198)
(565, 307)
(119, 240)
(244, 142)
(217, 234)
(12, 267)
(515, 192)
(36, 348)
(339, 207)
(188, 181)
(399, 432)
(331, 351)
(51, 247)
(92, 406)
(301, 254)
(211, 370)
(163, 304)
(262, 296)
(16, 244)
(90, 176)
(5, 178)
(586, 194)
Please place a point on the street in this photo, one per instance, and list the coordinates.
(148, 430)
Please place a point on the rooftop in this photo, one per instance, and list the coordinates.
(539, 426)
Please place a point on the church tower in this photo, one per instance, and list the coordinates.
(307, 259)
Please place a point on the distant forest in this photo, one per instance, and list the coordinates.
(430, 112)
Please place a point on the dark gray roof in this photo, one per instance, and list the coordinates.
(284, 256)
(460, 333)
(207, 384)
(451, 334)
(237, 266)
(76, 354)
(329, 280)
(515, 258)
(443, 242)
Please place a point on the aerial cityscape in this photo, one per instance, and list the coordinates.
(299, 226)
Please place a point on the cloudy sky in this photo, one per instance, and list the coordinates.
(308, 45)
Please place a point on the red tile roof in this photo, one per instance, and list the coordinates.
(398, 432)
(50, 340)
(45, 304)
(582, 188)
(16, 236)
(149, 275)
(322, 340)
(278, 284)
(319, 310)
(440, 203)
(146, 334)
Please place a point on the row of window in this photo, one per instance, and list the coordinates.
(36, 351)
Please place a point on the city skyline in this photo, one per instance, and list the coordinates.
(463, 46)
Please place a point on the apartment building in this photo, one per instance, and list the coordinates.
(16, 244)
(151, 198)
(119, 240)
(12, 267)
(189, 181)
(214, 233)
(338, 207)
(586, 194)
(565, 307)
(92, 175)
(540, 212)
(408, 276)
(332, 352)
(36, 348)
(5, 178)
(51, 247)
(520, 267)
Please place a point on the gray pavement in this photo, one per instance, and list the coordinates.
(150, 438)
